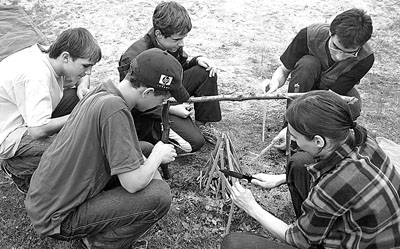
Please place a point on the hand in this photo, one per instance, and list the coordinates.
(81, 92)
(208, 65)
(270, 86)
(268, 181)
(166, 152)
(183, 110)
(280, 140)
(242, 197)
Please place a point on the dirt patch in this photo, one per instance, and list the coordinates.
(245, 39)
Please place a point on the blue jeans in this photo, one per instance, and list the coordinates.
(250, 241)
(116, 218)
(27, 157)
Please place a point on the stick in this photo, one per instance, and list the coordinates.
(210, 174)
(263, 123)
(240, 97)
(165, 136)
(263, 152)
(228, 225)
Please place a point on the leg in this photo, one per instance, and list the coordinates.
(355, 108)
(198, 83)
(148, 124)
(116, 218)
(298, 179)
(67, 103)
(26, 160)
(250, 241)
(185, 134)
(306, 74)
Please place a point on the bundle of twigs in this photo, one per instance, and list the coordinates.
(211, 178)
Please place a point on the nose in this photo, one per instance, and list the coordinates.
(88, 70)
(181, 43)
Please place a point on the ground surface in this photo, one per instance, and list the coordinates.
(245, 39)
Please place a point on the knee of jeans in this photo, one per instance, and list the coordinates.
(229, 241)
(203, 73)
(197, 142)
(163, 197)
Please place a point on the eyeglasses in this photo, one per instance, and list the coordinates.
(334, 47)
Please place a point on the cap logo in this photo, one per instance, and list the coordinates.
(165, 81)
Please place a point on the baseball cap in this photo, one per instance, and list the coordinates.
(158, 69)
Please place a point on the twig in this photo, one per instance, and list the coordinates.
(263, 123)
(214, 165)
(263, 152)
(228, 225)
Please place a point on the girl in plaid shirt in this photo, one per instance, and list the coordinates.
(352, 199)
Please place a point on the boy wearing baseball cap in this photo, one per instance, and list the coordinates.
(93, 183)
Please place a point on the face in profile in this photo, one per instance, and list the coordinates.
(76, 69)
(171, 43)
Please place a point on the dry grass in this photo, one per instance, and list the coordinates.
(245, 38)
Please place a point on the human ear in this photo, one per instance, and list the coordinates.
(148, 92)
(65, 56)
(158, 34)
(319, 141)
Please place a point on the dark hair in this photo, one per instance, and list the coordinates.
(326, 114)
(78, 42)
(171, 18)
(352, 27)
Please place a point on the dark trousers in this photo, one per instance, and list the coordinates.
(250, 241)
(197, 83)
(29, 152)
(298, 179)
(307, 75)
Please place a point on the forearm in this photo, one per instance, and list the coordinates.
(138, 179)
(272, 224)
(280, 75)
(48, 129)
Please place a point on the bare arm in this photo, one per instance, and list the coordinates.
(48, 129)
(244, 199)
(138, 179)
(278, 79)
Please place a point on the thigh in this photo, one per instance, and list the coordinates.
(250, 241)
(28, 155)
(117, 208)
(186, 134)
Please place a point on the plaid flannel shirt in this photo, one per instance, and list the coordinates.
(353, 203)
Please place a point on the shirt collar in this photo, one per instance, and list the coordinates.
(322, 167)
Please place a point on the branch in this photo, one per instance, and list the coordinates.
(165, 136)
(241, 97)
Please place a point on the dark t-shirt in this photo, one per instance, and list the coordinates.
(298, 48)
(99, 140)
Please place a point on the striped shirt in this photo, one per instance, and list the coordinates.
(353, 203)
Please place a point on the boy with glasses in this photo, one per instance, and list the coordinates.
(331, 57)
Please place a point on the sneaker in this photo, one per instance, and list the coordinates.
(83, 243)
(4, 169)
(140, 244)
(210, 133)
(21, 184)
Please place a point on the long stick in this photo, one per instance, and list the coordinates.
(263, 152)
(165, 136)
(240, 97)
